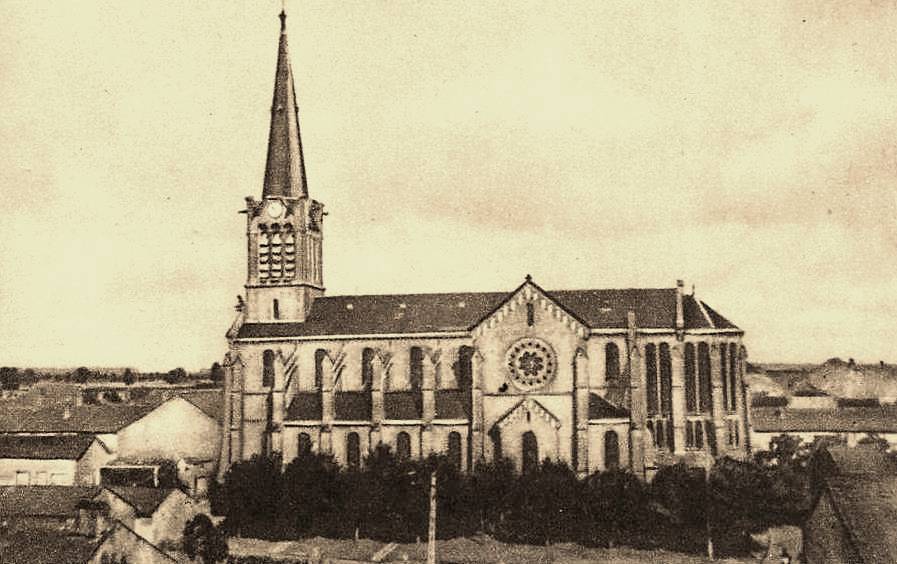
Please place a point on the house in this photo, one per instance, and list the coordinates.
(854, 516)
(62, 460)
(156, 514)
(172, 429)
(596, 378)
(73, 524)
(44, 507)
(852, 423)
(116, 544)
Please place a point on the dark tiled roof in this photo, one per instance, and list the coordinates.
(144, 500)
(48, 547)
(306, 406)
(600, 408)
(209, 400)
(421, 313)
(860, 461)
(352, 406)
(45, 447)
(881, 419)
(868, 510)
(452, 404)
(402, 405)
(100, 419)
(719, 321)
(97, 419)
(43, 501)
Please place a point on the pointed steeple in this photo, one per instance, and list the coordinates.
(285, 168)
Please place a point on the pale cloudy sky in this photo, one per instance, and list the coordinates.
(748, 147)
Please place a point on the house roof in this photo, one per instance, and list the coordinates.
(43, 501)
(98, 419)
(858, 461)
(868, 510)
(422, 313)
(879, 419)
(600, 408)
(144, 500)
(45, 447)
(39, 546)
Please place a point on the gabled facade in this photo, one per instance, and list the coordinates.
(596, 378)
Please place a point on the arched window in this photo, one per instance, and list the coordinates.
(416, 367)
(705, 399)
(530, 314)
(320, 355)
(268, 368)
(353, 451)
(611, 362)
(691, 402)
(666, 380)
(733, 376)
(275, 306)
(304, 444)
(367, 368)
(651, 377)
(454, 449)
(403, 446)
(464, 367)
(611, 450)
(530, 452)
(497, 450)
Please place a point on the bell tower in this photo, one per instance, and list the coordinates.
(284, 228)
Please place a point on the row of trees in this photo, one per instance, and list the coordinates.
(387, 500)
(12, 378)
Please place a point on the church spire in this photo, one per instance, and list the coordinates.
(285, 167)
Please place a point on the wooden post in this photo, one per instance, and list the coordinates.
(431, 536)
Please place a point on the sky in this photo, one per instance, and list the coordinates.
(748, 148)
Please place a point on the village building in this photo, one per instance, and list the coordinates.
(73, 445)
(854, 514)
(850, 422)
(60, 460)
(598, 378)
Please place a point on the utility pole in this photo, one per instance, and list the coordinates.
(707, 466)
(431, 535)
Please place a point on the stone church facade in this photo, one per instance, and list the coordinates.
(597, 378)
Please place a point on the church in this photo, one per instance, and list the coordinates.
(597, 378)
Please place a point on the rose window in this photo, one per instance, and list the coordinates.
(531, 363)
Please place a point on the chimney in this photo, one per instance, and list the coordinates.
(680, 310)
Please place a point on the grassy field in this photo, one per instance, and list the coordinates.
(475, 550)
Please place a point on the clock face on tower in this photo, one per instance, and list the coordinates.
(275, 209)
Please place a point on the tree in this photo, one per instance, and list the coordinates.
(312, 494)
(81, 375)
(493, 486)
(175, 375)
(9, 378)
(615, 501)
(739, 502)
(128, 377)
(216, 373)
(251, 494)
(202, 539)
